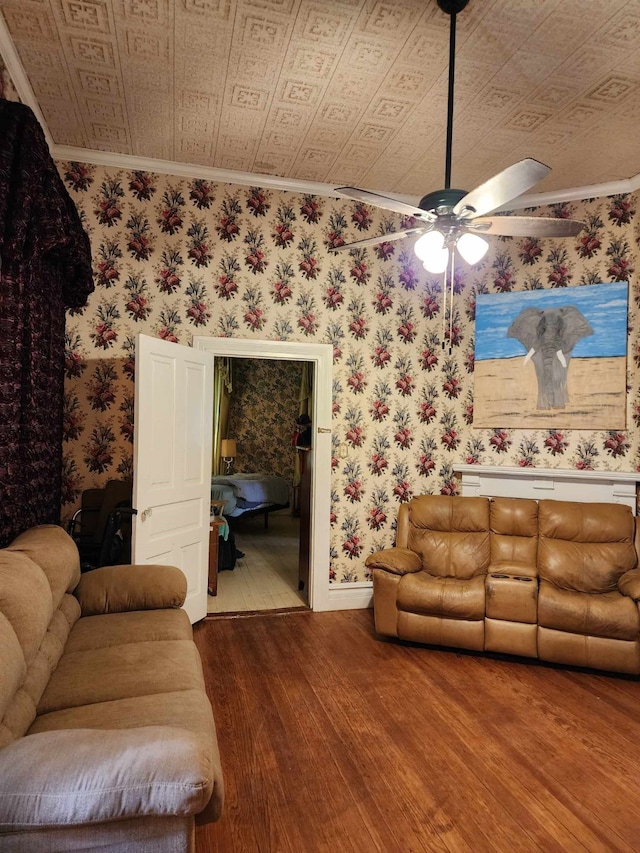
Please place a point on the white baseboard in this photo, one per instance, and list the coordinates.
(349, 597)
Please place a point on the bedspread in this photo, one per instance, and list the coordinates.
(255, 488)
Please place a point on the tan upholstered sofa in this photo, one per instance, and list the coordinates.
(107, 739)
(554, 580)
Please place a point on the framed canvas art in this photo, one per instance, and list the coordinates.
(552, 358)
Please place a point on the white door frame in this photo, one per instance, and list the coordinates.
(321, 356)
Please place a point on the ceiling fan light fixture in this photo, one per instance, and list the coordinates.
(472, 248)
(454, 212)
(431, 250)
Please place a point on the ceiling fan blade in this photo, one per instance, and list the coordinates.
(386, 203)
(501, 188)
(524, 226)
(381, 238)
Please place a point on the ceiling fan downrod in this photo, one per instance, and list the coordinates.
(451, 8)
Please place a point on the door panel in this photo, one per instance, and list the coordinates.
(172, 462)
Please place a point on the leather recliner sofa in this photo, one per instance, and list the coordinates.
(554, 580)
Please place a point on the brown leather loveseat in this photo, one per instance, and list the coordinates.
(554, 580)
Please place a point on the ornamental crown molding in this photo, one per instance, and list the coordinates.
(131, 163)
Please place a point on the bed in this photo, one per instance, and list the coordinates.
(248, 495)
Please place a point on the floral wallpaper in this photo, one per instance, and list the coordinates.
(262, 414)
(174, 257)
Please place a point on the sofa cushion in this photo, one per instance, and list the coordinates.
(187, 709)
(116, 629)
(117, 672)
(101, 776)
(13, 669)
(22, 708)
(514, 532)
(39, 613)
(51, 548)
(449, 597)
(25, 599)
(585, 547)
(451, 535)
(514, 516)
(607, 614)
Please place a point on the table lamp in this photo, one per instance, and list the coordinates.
(228, 452)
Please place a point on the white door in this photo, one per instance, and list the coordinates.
(172, 462)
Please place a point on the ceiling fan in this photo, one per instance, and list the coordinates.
(451, 218)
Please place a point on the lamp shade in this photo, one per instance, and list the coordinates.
(228, 448)
(472, 247)
(432, 252)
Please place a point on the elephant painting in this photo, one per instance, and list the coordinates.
(549, 335)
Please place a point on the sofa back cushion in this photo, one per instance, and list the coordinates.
(514, 532)
(36, 613)
(585, 546)
(13, 668)
(450, 534)
(57, 555)
(25, 600)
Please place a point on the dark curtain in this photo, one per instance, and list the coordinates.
(45, 259)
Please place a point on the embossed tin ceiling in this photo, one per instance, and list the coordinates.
(341, 91)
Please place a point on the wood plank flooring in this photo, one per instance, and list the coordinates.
(333, 739)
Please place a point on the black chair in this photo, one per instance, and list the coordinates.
(101, 528)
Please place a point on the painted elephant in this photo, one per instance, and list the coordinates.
(549, 335)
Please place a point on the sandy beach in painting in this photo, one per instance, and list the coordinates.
(505, 395)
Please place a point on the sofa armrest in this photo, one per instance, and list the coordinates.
(629, 584)
(114, 589)
(398, 561)
(73, 777)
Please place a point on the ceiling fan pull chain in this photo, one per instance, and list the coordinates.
(452, 282)
(444, 305)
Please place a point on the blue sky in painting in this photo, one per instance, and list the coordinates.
(604, 306)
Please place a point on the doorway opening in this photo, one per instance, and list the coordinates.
(265, 575)
(291, 544)
(257, 483)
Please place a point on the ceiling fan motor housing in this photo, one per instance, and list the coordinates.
(441, 201)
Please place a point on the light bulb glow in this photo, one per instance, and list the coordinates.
(437, 262)
(472, 247)
(431, 250)
(432, 241)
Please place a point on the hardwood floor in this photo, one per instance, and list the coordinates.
(333, 739)
(266, 577)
